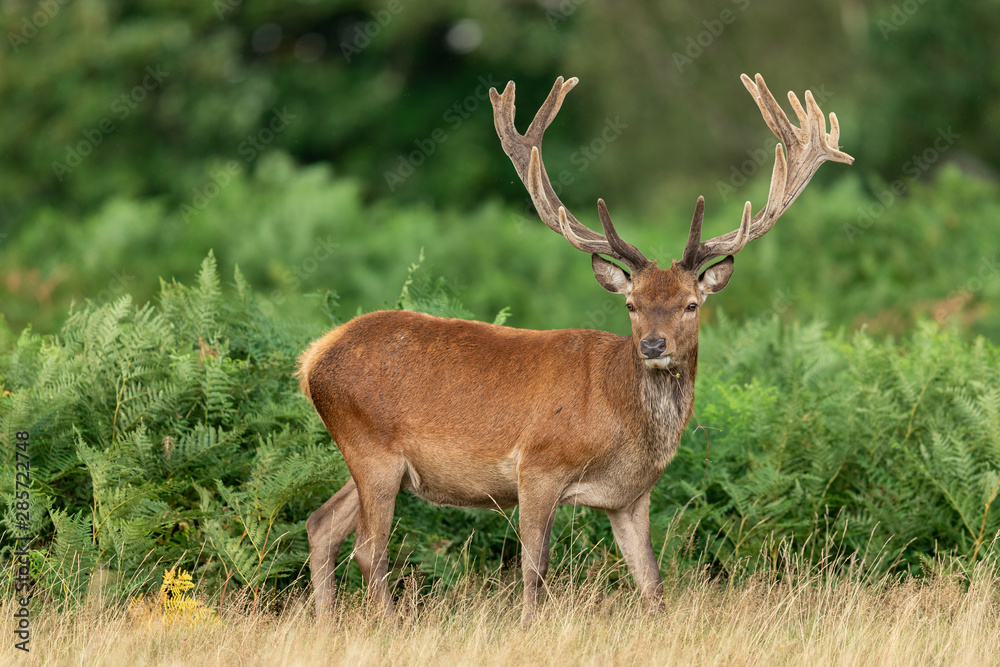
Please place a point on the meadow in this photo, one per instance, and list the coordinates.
(836, 613)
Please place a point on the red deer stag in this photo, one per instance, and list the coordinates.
(476, 415)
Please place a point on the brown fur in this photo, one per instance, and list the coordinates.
(308, 357)
(477, 415)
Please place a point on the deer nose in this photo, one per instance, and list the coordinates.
(653, 348)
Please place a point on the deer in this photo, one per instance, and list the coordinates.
(477, 415)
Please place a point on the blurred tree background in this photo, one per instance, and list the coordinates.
(320, 144)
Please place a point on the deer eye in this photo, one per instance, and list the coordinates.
(631, 308)
(692, 307)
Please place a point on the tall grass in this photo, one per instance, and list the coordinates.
(789, 610)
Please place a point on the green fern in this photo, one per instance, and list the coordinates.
(174, 432)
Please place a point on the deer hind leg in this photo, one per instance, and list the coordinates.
(538, 500)
(378, 485)
(327, 528)
(631, 528)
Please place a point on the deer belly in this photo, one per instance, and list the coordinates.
(462, 481)
(611, 491)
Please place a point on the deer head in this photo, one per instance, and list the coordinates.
(663, 304)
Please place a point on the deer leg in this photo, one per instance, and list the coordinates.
(377, 490)
(538, 504)
(631, 528)
(327, 528)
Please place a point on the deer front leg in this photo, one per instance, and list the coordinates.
(631, 528)
(538, 499)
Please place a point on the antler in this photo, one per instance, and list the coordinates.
(808, 147)
(525, 151)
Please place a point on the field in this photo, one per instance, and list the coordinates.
(801, 615)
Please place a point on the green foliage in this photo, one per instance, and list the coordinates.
(179, 173)
(932, 253)
(927, 75)
(167, 432)
(366, 102)
(173, 433)
(887, 445)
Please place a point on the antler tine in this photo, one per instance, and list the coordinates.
(628, 252)
(770, 109)
(566, 229)
(525, 152)
(834, 130)
(690, 256)
(808, 146)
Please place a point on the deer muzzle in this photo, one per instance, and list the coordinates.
(653, 348)
(654, 352)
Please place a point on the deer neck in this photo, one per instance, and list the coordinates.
(662, 402)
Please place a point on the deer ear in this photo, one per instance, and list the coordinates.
(611, 276)
(716, 277)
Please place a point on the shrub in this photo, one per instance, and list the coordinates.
(172, 434)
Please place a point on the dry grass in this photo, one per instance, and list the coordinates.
(804, 616)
